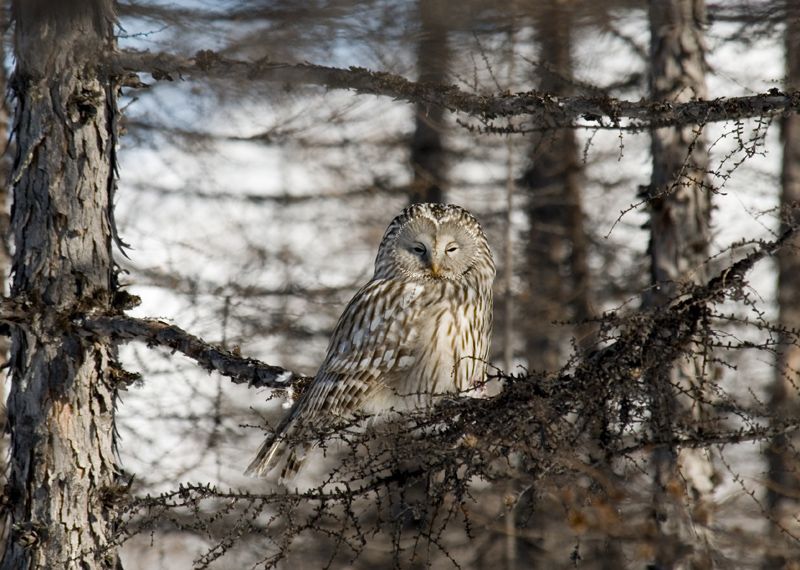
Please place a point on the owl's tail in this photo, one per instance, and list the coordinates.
(283, 448)
(289, 447)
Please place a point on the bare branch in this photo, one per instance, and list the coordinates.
(156, 333)
(542, 109)
(713, 438)
(257, 374)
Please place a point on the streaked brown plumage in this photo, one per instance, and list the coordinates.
(421, 327)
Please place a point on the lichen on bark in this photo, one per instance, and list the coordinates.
(62, 396)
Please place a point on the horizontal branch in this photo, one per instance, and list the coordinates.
(708, 438)
(542, 109)
(156, 333)
(624, 357)
(257, 374)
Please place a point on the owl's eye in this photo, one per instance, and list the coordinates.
(419, 249)
(451, 248)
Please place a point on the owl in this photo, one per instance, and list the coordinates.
(419, 329)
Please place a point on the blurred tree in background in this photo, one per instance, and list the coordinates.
(198, 189)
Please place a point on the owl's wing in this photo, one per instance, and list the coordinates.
(372, 341)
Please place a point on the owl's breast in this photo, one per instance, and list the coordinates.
(448, 344)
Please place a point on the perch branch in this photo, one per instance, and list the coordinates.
(244, 370)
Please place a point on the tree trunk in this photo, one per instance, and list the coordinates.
(679, 229)
(5, 252)
(61, 403)
(680, 207)
(556, 269)
(558, 275)
(784, 467)
(428, 156)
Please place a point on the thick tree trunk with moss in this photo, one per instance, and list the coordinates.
(679, 234)
(61, 403)
(428, 155)
(784, 467)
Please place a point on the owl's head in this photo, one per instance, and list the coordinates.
(431, 242)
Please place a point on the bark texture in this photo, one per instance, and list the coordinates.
(680, 208)
(784, 465)
(5, 258)
(61, 403)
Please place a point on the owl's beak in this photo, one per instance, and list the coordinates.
(434, 268)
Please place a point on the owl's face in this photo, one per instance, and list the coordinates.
(432, 242)
(425, 250)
